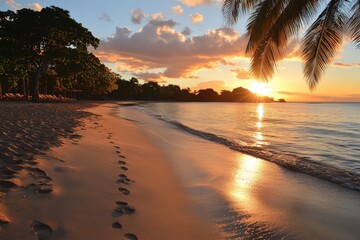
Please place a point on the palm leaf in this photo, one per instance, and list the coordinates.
(270, 49)
(261, 20)
(322, 40)
(232, 8)
(354, 23)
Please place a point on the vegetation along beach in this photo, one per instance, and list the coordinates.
(179, 120)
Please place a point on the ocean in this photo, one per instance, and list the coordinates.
(319, 139)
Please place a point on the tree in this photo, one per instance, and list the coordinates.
(42, 39)
(272, 23)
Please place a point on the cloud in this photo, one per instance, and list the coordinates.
(137, 16)
(159, 46)
(105, 17)
(178, 9)
(150, 76)
(346, 65)
(35, 6)
(186, 31)
(217, 85)
(196, 18)
(192, 3)
(312, 97)
(13, 5)
(158, 15)
(241, 73)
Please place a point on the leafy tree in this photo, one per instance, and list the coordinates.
(272, 23)
(42, 39)
(207, 95)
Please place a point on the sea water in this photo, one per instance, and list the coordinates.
(320, 139)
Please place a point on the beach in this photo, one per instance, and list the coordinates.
(103, 171)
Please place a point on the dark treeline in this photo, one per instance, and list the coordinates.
(47, 52)
(152, 91)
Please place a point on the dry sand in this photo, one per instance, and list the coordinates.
(106, 181)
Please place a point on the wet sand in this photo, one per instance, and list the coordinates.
(108, 182)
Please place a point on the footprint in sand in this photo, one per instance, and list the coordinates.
(117, 152)
(41, 230)
(126, 209)
(117, 147)
(124, 168)
(124, 191)
(121, 203)
(124, 179)
(121, 156)
(116, 225)
(121, 162)
(131, 236)
(44, 188)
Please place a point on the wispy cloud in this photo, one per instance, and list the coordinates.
(196, 18)
(105, 17)
(313, 97)
(35, 6)
(241, 73)
(13, 5)
(192, 3)
(150, 76)
(346, 65)
(178, 9)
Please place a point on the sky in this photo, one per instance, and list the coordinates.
(186, 42)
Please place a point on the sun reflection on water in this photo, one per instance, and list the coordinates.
(259, 125)
(245, 178)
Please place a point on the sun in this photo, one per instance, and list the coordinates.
(260, 88)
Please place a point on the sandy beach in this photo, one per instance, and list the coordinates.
(100, 171)
(96, 182)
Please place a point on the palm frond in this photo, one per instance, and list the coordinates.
(354, 23)
(322, 40)
(263, 62)
(270, 48)
(261, 20)
(232, 8)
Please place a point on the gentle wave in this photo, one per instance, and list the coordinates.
(287, 160)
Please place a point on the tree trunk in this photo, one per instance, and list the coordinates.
(26, 94)
(35, 95)
(26, 88)
(1, 96)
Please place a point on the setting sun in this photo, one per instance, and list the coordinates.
(260, 88)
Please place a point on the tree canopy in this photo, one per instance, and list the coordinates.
(152, 91)
(51, 49)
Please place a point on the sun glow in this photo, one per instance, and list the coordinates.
(260, 88)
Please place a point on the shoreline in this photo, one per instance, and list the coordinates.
(127, 174)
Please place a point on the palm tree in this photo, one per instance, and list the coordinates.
(273, 23)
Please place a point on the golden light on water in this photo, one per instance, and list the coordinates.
(260, 88)
(246, 176)
(259, 125)
(260, 111)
